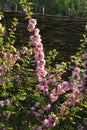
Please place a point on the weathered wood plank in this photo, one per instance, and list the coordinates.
(62, 33)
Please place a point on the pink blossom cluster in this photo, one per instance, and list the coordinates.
(84, 56)
(41, 72)
(37, 113)
(76, 72)
(13, 58)
(64, 108)
(40, 113)
(10, 56)
(59, 90)
(3, 71)
(75, 95)
(84, 126)
(80, 127)
(8, 61)
(5, 114)
(39, 56)
(73, 87)
(50, 122)
(6, 102)
(72, 99)
(51, 79)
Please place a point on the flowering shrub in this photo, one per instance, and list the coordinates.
(40, 98)
(15, 80)
(51, 87)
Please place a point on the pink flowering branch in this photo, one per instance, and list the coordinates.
(41, 75)
(8, 61)
(39, 56)
(74, 86)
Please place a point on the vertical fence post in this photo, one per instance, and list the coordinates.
(15, 7)
(43, 10)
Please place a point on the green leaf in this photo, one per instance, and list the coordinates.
(18, 65)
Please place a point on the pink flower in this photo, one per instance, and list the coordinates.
(8, 55)
(31, 25)
(46, 88)
(34, 21)
(86, 26)
(47, 107)
(17, 54)
(53, 97)
(41, 64)
(80, 127)
(40, 56)
(31, 37)
(39, 87)
(0, 18)
(77, 94)
(84, 56)
(16, 76)
(53, 121)
(45, 123)
(39, 47)
(42, 73)
(60, 72)
(63, 108)
(44, 81)
(85, 121)
(76, 72)
(77, 69)
(32, 108)
(51, 79)
(70, 97)
(66, 86)
(74, 75)
(40, 68)
(60, 90)
(40, 79)
(2, 103)
(37, 104)
(85, 40)
(36, 31)
(2, 81)
(35, 40)
(26, 11)
(23, 51)
(37, 114)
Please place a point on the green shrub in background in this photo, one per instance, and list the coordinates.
(51, 7)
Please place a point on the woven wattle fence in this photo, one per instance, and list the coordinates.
(60, 33)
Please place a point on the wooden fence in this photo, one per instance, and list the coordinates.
(60, 33)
